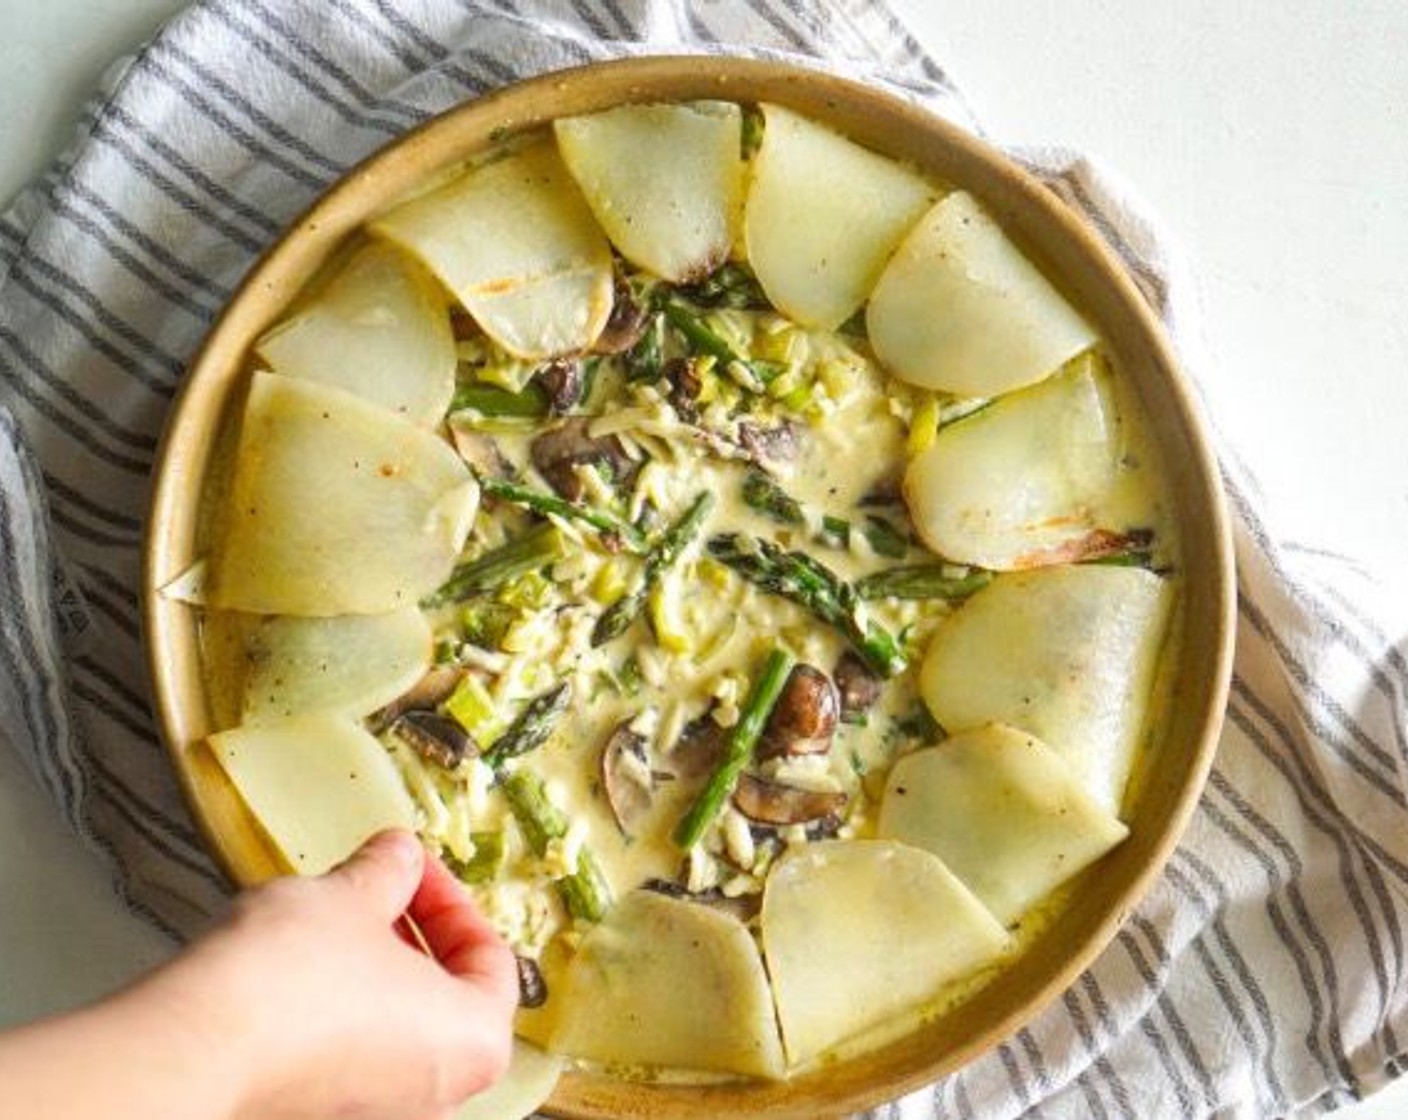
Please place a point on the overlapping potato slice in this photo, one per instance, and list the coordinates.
(319, 784)
(1066, 654)
(336, 506)
(663, 982)
(1019, 484)
(348, 665)
(960, 309)
(823, 216)
(1002, 810)
(379, 329)
(858, 932)
(516, 242)
(664, 181)
(531, 1077)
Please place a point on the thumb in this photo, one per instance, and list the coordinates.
(380, 878)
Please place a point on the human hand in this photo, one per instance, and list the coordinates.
(315, 1007)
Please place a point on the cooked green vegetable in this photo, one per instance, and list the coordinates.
(703, 339)
(731, 285)
(492, 400)
(618, 617)
(811, 584)
(532, 727)
(541, 502)
(585, 892)
(536, 548)
(645, 361)
(738, 750)
(484, 865)
(764, 494)
(924, 581)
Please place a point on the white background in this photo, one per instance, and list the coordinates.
(1272, 139)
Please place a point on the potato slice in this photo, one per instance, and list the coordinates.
(1019, 484)
(532, 1075)
(960, 309)
(319, 784)
(857, 932)
(515, 241)
(349, 665)
(336, 506)
(823, 216)
(1066, 654)
(379, 329)
(664, 181)
(666, 983)
(1002, 810)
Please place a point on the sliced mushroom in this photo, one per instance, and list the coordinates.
(559, 452)
(744, 907)
(779, 443)
(769, 802)
(532, 988)
(563, 381)
(481, 453)
(426, 694)
(626, 323)
(804, 718)
(698, 749)
(436, 738)
(685, 386)
(858, 686)
(626, 777)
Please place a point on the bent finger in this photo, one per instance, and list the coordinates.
(382, 876)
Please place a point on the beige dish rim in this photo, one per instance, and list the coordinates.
(1048, 230)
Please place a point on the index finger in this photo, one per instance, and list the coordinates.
(461, 939)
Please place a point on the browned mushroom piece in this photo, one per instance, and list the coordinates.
(696, 753)
(532, 988)
(559, 452)
(625, 324)
(769, 802)
(804, 718)
(562, 381)
(779, 443)
(426, 695)
(885, 492)
(481, 453)
(744, 907)
(858, 686)
(436, 738)
(626, 777)
(682, 375)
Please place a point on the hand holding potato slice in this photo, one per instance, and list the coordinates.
(319, 784)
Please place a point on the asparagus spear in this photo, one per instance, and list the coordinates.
(617, 617)
(541, 502)
(923, 581)
(528, 552)
(645, 361)
(492, 400)
(730, 285)
(738, 750)
(702, 339)
(483, 866)
(811, 584)
(585, 892)
(763, 493)
(532, 727)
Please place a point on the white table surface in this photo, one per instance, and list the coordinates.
(1271, 136)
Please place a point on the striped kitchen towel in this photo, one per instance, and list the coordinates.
(1264, 975)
